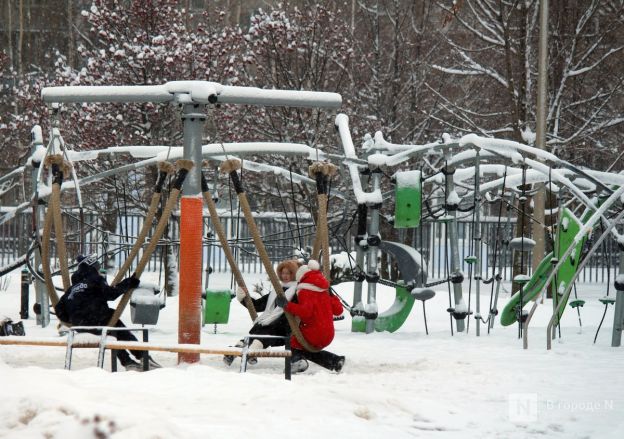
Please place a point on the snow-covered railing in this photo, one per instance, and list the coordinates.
(362, 197)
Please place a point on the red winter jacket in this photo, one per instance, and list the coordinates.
(316, 309)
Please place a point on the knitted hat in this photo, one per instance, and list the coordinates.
(88, 261)
(312, 265)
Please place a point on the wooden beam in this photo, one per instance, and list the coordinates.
(139, 346)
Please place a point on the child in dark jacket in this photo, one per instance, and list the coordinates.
(85, 303)
(316, 307)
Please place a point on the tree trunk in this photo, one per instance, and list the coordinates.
(10, 34)
(20, 40)
(71, 41)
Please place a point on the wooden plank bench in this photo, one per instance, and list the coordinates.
(104, 343)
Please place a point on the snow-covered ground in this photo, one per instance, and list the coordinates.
(405, 384)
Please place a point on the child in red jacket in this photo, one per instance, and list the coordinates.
(316, 307)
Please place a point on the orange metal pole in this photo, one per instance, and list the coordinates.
(191, 233)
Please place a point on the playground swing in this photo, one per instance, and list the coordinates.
(143, 311)
(145, 308)
(217, 303)
(183, 167)
(53, 217)
(321, 172)
(58, 169)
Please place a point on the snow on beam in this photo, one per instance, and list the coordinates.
(107, 93)
(262, 148)
(201, 92)
(285, 98)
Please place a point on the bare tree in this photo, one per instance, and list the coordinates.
(493, 53)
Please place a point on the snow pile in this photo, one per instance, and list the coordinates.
(408, 179)
(147, 294)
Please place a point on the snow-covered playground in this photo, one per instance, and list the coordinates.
(435, 343)
(404, 384)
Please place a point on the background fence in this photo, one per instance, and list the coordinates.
(283, 237)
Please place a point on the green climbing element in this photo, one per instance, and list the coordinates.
(607, 300)
(391, 319)
(358, 324)
(470, 259)
(569, 226)
(412, 268)
(217, 306)
(530, 291)
(408, 199)
(577, 303)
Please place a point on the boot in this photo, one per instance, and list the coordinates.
(339, 364)
(298, 363)
(255, 345)
(153, 364)
(127, 362)
(229, 359)
(132, 365)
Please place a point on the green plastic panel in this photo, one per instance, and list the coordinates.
(358, 324)
(565, 238)
(394, 317)
(391, 319)
(530, 292)
(217, 306)
(408, 200)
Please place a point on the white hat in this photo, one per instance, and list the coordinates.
(312, 265)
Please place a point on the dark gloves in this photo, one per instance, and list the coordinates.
(281, 301)
(133, 282)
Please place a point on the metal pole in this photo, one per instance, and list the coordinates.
(542, 102)
(618, 316)
(371, 262)
(456, 274)
(41, 296)
(25, 292)
(191, 234)
(477, 246)
(359, 259)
